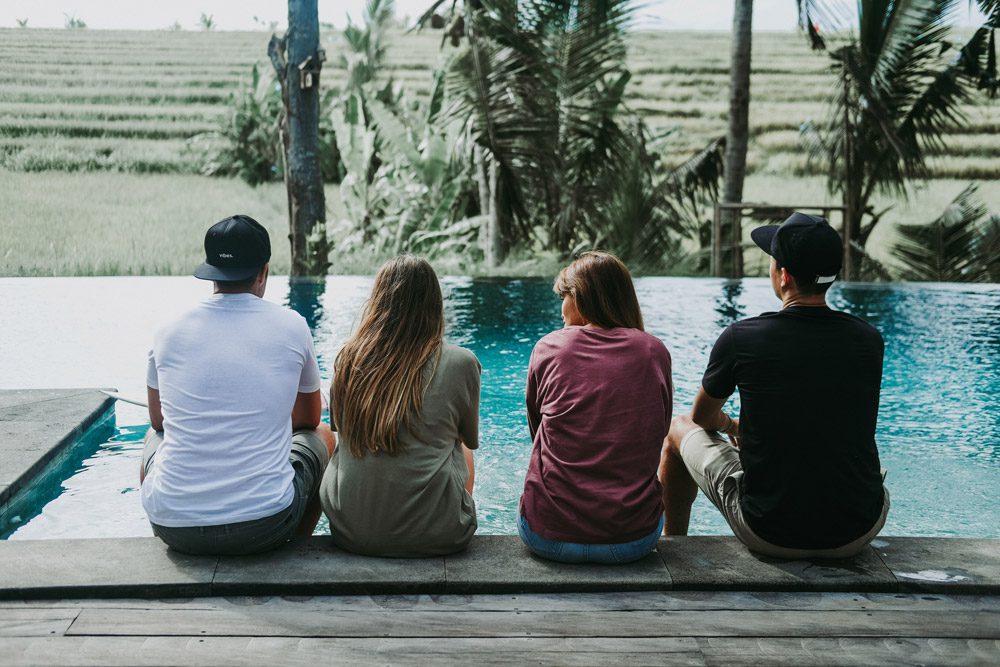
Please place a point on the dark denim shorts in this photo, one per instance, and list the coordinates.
(259, 535)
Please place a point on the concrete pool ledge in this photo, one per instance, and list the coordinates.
(36, 426)
(144, 567)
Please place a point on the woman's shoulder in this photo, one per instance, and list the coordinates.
(653, 345)
(455, 355)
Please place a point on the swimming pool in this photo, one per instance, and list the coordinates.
(939, 421)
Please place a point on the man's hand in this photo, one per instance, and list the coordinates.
(733, 432)
(707, 413)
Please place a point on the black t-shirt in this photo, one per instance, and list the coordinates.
(809, 382)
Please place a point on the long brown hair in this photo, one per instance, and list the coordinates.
(601, 285)
(378, 384)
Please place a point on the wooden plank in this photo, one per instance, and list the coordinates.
(35, 622)
(194, 651)
(644, 601)
(265, 622)
(849, 651)
(197, 651)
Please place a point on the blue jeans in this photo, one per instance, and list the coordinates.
(573, 552)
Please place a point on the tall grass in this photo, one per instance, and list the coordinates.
(125, 224)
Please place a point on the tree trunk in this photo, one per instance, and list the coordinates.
(485, 201)
(494, 250)
(737, 136)
(298, 60)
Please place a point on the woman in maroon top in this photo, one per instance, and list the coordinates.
(599, 404)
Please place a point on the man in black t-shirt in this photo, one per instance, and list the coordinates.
(799, 474)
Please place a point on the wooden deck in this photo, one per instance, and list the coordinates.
(684, 628)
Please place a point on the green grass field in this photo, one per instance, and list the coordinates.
(97, 223)
(99, 176)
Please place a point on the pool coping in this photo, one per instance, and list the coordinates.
(144, 567)
(37, 425)
(493, 564)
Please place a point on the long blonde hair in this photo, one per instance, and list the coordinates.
(378, 384)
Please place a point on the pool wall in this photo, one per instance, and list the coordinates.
(38, 428)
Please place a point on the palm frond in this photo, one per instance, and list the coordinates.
(988, 248)
(978, 57)
(946, 249)
(697, 176)
(541, 84)
(817, 17)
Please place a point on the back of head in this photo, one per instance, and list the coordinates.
(601, 285)
(378, 384)
(807, 247)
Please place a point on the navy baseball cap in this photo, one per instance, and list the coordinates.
(806, 245)
(236, 248)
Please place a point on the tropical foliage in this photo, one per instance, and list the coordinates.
(901, 87)
(961, 245)
(539, 86)
(405, 178)
(249, 146)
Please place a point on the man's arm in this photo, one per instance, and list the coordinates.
(307, 411)
(155, 412)
(707, 413)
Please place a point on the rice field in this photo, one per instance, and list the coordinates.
(89, 113)
(128, 101)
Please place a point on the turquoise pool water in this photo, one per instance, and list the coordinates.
(939, 421)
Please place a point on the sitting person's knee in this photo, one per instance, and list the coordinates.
(680, 426)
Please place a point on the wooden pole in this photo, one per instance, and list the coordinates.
(716, 261)
(736, 236)
(848, 268)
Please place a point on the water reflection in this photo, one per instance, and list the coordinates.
(306, 298)
(728, 306)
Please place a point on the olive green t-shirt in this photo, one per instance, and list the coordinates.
(414, 503)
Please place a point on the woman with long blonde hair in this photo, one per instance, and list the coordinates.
(406, 406)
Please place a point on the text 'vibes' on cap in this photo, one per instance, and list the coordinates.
(805, 245)
(235, 249)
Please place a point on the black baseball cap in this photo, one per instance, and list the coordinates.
(806, 245)
(235, 249)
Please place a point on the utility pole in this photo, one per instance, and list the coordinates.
(297, 59)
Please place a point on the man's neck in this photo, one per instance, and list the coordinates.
(795, 299)
(252, 291)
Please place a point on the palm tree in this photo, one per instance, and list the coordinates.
(812, 17)
(738, 129)
(894, 102)
(961, 245)
(541, 88)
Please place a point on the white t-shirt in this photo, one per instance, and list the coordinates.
(228, 373)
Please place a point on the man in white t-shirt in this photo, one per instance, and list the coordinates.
(236, 451)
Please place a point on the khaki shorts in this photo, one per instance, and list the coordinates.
(308, 457)
(714, 463)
